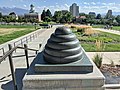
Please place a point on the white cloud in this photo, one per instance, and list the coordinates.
(44, 1)
(104, 3)
(86, 3)
(67, 5)
(111, 3)
(101, 7)
(25, 6)
(93, 3)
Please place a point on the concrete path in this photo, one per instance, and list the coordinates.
(107, 30)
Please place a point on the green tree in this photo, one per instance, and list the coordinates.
(68, 16)
(48, 13)
(118, 19)
(0, 15)
(43, 15)
(57, 16)
(62, 20)
(20, 19)
(47, 19)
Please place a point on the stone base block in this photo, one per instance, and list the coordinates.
(81, 66)
(56, 81)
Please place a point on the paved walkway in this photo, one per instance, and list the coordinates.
(6, 83)
(107, 30)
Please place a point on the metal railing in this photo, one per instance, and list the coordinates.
(23, 40)
(10, 57)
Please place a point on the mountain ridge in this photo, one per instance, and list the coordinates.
(18, 11)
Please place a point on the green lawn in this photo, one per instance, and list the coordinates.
(15, 34)
(98, 26)
(17, 26)
(111, 41)
(116, 28)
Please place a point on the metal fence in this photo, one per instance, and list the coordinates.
(10, 58)
(22, 41)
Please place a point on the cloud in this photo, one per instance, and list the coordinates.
(67, 5)
(93, 3)
(86, 3)
(100, 7)
(104, 3)
(44, 1)
(25, 6)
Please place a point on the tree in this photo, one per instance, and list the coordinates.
(68, 16)
(48, 13)
(43, 15)
(118, 19)
(62, 20)
(0, 15)
(20, 19)
(57, 16)
(98, 16)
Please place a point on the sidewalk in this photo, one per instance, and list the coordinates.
(107, 30)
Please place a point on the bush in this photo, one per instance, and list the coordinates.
(98, 60)
(81, 30)
(73, 27)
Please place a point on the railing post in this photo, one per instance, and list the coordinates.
(26, 54)
(21, 42)
(40, 46)
(12, 68)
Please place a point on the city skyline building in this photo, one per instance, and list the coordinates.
(109, 14)
(74, 9)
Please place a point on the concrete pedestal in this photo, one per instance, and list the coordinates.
(63, 81)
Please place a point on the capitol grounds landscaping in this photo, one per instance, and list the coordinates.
(94, 40)
(97, 41)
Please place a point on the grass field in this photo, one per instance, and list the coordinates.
(10, 32)
(111, 41)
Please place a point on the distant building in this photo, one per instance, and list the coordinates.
(32, 14)
(74, 9)
(109, 14)
(92, 13)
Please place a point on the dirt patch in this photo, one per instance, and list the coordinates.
(111, 73)
(4, 31)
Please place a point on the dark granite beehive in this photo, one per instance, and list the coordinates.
(62, 47)
(63, 54)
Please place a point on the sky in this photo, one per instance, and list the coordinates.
(98, 6)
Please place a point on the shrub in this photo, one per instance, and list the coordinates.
(100, 46)
(73, 27)
(81, 30)
(98, 60)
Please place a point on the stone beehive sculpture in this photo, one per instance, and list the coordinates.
(62, 47)
(63, 53)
